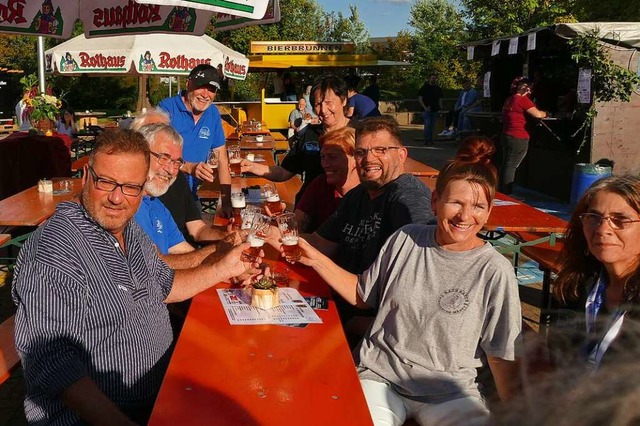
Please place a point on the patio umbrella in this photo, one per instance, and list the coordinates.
(144, 54)
(254, 9)
(56, 18)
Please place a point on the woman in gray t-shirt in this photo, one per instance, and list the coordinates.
(447, 303)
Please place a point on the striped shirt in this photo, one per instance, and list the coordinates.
(85, 308)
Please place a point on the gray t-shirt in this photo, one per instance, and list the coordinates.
(438, 312)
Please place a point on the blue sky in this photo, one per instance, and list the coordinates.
(382, 17)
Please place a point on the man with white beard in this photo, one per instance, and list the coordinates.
(153, 217)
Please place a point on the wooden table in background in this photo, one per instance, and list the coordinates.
(266, 156)
(250, 142)
(417, 168)
(31, 208)
(253, 375)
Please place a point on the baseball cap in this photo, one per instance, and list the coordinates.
(203, 75)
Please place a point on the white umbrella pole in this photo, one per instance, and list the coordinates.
(41, 79)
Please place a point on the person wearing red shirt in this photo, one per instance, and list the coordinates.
(325, 192)
(515, 137)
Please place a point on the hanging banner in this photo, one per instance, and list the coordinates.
(253, 9)
(531, 41)
(495, 48)
(56, 18)
(513, 46)
(487, 83)
(226, 22)
(470, 52)
(584, 86)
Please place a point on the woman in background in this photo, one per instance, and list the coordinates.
(66, 124)
(515, 136)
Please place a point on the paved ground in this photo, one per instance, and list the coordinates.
(436, 155)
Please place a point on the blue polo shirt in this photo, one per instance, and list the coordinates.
(156, 221)
(199, 138)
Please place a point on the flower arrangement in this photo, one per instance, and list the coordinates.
(39, 107)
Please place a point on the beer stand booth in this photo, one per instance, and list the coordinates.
(559, 142)
(288, 56)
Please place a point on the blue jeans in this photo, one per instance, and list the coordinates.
(429, 119)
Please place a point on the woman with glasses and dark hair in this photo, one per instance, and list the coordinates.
(515, 136)
(599, 283)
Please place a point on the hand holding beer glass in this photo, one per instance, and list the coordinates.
(260, 228)
(272, 199)
(289, 232)
(238, 204)
(234, 159)
(214, 155)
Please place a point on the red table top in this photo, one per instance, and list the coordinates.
(25, 135)
(31, 208)
(518, 217)
(261, 374)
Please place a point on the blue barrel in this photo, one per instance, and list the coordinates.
(584, 175)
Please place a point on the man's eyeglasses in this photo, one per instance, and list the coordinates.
(376, 151)
(593, 220)
(165, 160)
(108, 185)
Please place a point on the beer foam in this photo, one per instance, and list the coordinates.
(290, 240)
(255, 241)
(273, 198)
(235, 160)
(238, 203)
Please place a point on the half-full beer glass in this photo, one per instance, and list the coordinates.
(260, 228)
(289, 231)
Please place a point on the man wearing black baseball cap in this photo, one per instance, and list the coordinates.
(200, 126)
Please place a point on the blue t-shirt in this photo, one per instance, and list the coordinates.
(156, 221)
(363, 107)
(199, 138)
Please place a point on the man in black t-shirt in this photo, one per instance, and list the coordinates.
(386, 199)
(430, 98)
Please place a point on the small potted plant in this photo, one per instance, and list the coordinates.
(264, 293)
(41, 108)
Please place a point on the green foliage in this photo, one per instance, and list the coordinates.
(609, 81)
(301, 20)
(398, 82)
(266, 283)
(439, 31)
(492, 18)
(351, 29)
(607, 11)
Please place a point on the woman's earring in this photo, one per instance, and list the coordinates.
(587, 252)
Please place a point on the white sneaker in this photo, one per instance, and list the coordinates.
(445, 132)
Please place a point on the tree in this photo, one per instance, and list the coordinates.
(350, 29)
(492, 18)
(398, 82)
(609, 11)
(439, 32)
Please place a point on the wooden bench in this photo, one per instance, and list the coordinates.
(9, 358)
(546, 255)
(78, 165)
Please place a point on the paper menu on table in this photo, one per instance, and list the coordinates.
(293, 308)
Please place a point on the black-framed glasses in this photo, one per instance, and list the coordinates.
(593, 220)
(376, 151)
(165, 160)
(108, 185)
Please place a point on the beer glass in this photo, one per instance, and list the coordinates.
(234, 159)
(214, 154)
(272, 199)
(248, 214)
(260, 228)
(238, 205)
(289, 231)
